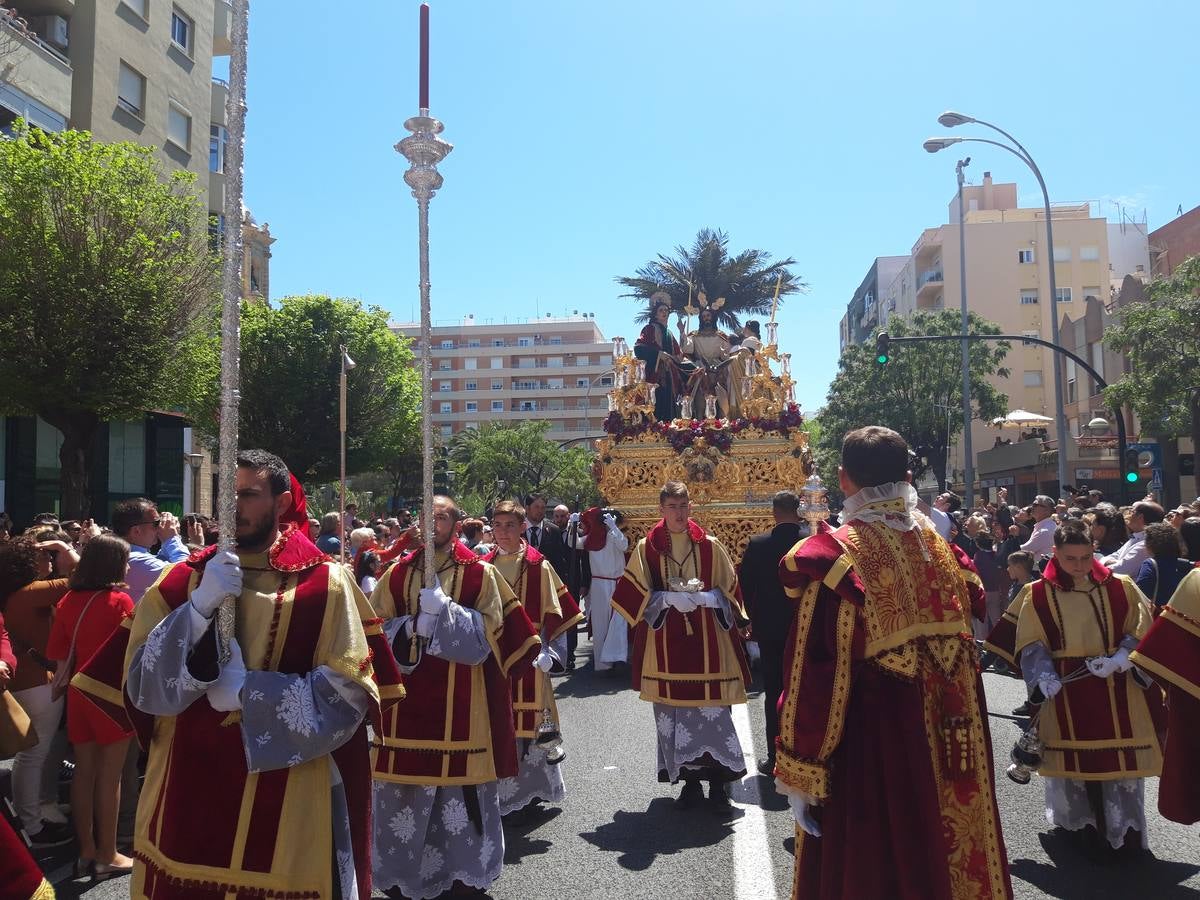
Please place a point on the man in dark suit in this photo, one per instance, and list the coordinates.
(769, 609)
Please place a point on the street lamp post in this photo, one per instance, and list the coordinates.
(968, 451)
(933, 145)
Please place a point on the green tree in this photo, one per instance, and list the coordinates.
(911, 392)
(290, 369)
(520, 455)
(1161, 339)
(107, 291)
(746, 281)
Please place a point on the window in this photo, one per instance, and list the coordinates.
(473, 342)
(1062, 295)
(556, 339)
(555, 362)
(131, 90)
(471, 363)
(1029, 297)
(445, 407)
(1072, 380)
(468, 425)
(447, 345)
(554, 384)
(444, 365)
(497, 362)
(179, 126)
(526, 362)
(218, 138)
(1033, 378)
(1097, 355)
(497, 342)
(138, 6)
(1030, 334)
(1089, 254)
(497, 385)
(444, 386)
(524, 342)
(447, 430)
(581, 403)
(497, 406)
(472, 386)
(606, 381)
(182, 29)
(472, 406)
(1025, 256)
(528, 406)
(581, 382)
(583, 360)
(1062, 254)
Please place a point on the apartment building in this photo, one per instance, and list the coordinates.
(127, 70)
(1008, 283)
(555, 369)
(862, 313)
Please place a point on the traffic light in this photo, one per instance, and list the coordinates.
(882, 351)
(1130, 471)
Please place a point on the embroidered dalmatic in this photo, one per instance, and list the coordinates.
(272, 800)
(883, 718)
(1170, 652)
(438, 760)
(691, 667)
(553, 612)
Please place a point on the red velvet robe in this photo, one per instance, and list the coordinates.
(1170, 652)
(883, 720)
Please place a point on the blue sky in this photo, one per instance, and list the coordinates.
(591, 134)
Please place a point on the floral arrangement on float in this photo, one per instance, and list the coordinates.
(719, 433)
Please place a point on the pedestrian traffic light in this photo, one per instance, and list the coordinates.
(882, 351)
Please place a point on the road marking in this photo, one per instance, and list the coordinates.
(753, 871)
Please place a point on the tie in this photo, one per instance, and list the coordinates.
(534, 536)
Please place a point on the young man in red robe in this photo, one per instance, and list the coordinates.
(258, 781)
(441, 753)
(884, 750)
(1170, 652)
(680, 593)
(553, 612)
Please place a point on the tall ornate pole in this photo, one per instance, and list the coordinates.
(424, 150)
(231, 309)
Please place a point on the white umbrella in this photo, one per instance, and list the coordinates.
(1021, 418)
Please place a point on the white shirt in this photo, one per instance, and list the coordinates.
(941, 522)
(1041, 542)
(1128, 560)
(608, 562)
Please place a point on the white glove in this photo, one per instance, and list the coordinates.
(801, 805)
(225, 694)
(544, 661)
(1104, 666)
(609, 520)
(222, 577)
(681, 600)
(573, 519)
(711, 599)
(1049, 687)
(433, 600)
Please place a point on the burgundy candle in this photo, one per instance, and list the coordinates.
(424, 90)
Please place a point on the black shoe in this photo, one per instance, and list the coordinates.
(1024, 711)
(767, 767)
(718, 794)
(51, 835)
(691, 794)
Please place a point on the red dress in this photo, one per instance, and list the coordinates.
(84, 722)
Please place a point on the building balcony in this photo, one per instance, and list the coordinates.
(929, 243)
(35, 77)
(1006, 457)
(220, 93)
(222, 27)
(65, 8)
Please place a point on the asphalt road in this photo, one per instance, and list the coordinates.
(619, 835)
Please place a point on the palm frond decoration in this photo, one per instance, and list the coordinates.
(743, 283)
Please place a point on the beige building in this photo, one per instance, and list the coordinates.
(141, 71)
(555, 369)
(1008, 283)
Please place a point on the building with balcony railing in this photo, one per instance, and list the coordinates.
(555, 369)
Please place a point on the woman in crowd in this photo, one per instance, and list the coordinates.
(366, 571)
(28, 593)
(86, 616)
(1109, 532)
(1163, 569)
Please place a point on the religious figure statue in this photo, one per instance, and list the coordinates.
(742, 366)
(659, 350)
(709, 350)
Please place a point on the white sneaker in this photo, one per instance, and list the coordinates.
(52, 812)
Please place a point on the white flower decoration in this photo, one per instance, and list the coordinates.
(665, 725)
(507, 788)
(711, 712)
(296, 709)
(431, 862)
(734, 745)
(486, 847)
(403, 825)
(454, 816)
(683, 737)
(152, 649)
(264, 739)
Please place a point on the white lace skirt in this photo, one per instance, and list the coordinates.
(1123, 802)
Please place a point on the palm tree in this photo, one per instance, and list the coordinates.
(745, 282)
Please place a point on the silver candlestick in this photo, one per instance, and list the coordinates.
(424, 150)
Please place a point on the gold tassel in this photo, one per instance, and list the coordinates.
(687, 624)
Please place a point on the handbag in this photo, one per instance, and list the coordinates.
(16, 730)
(62, 675)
